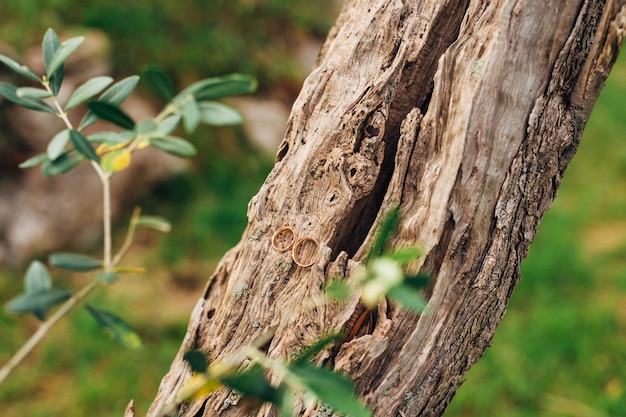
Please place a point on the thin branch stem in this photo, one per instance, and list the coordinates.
(60, 112)
(45, 327)
(104, 179)
(106, 214)
(129, 237)
(168, 110)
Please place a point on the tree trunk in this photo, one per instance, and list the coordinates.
(463, 113)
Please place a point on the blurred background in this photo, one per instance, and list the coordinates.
(560, 351)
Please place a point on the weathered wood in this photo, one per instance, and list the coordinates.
(130, 409)
(466, 114)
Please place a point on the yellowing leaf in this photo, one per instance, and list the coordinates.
(102, 149)
(107, 147)
(116, 161)
(199, 385)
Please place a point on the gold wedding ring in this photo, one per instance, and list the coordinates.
(283, 239)
(304, 251)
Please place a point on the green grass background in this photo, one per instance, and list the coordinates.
(560, 351)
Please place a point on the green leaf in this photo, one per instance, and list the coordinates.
(56, 80)
(331, 388)
(20, 69)
(218, 114)
(38, 302)
(388, 226)
(34, 161)
(405, 256)
(37, 278)
(196, 360)
(191, 115)
(115, 327)
(74, 262)
(408, 297)
(88, 90)
(50, 46)
(112, 138)
(175, 146)
(156, 223)
(30, 92)
(10, 93)
(62, 53)
(307, 353)
(145, 126)
(82, 145)
(64, 163)
(119, 91)
(159, 82)
(107, 277)
(56, 146)
(217, 87)
(419, 281)
(167, 126)
(115, 94)
(230, 85)
(111, 113)
(338, 290)
(286, 402)
(253, 383)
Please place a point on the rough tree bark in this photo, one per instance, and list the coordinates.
(465, 113)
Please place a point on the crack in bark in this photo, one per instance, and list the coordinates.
(359, 220)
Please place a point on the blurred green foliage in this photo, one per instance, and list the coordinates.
(209, 203)
(189, 38)
(78, 371)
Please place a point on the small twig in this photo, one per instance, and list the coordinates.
(129, 237)
(60, 112)
(45, 327)
(104, 179)
(167, 111)
(106, 214)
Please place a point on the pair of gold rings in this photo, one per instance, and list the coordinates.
(303, 250)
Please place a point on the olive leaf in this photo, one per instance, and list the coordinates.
(19, 68)
(87, 90)
(115, 327)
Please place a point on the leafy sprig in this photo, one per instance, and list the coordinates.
(383, 272)
(300, 376)
(194, 105)
(108, 152)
